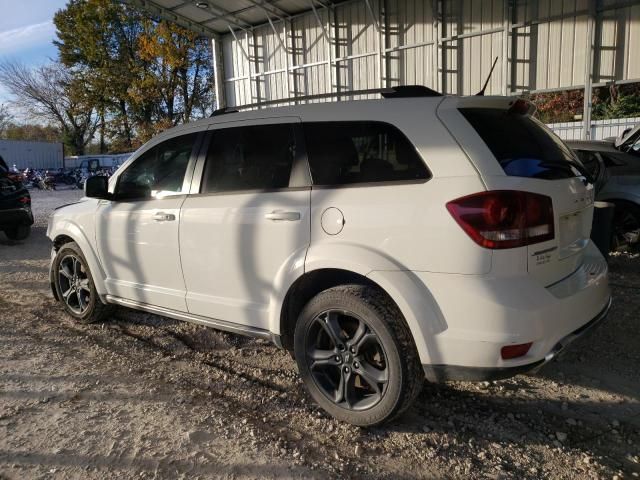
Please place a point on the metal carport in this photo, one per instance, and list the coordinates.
(267, 50)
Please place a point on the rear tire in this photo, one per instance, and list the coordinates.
(626, 220)
(74, 285)
(356, 355)
(18, 232)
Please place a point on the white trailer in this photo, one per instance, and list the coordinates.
(94, 162)
(26, 154)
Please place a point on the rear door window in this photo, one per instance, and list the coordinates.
(522, 145)
(256, 157)
(342, 153)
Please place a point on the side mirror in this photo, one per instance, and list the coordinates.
(97, 187)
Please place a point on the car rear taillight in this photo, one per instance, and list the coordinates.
(521, 107)
(504, 218)
(25, 200)
(514, 351)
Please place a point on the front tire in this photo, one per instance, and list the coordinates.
(18, 232)
(74, 285)
(356, 355)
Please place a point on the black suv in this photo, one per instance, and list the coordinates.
(15, 205)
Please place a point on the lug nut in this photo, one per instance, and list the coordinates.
(338, 359)
(346, 369)
(356, 365)
(353, 349)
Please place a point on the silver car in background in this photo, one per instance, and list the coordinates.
(614, 164)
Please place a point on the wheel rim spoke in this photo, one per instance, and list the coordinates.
(330, 325)
(65, 272)
(80, 300)
(345, 390)
(359, 334)
(321, 357)
(66, 294)
(366, 338)
(373, 376)
(77, 267)
(84, 285)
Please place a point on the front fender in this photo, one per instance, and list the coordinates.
(70, 229)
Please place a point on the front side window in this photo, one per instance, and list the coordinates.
(342, 153)
(256, 157)
(158, 172)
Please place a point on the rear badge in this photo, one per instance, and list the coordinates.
(543, 257)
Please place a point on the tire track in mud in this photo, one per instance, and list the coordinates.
(281, 406)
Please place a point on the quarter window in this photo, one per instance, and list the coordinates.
(361, 152)
(158, 172)
(250, 158)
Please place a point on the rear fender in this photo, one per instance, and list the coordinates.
(412, 297)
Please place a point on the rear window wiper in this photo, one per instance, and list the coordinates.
(566, 165)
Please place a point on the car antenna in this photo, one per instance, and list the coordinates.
(484, 87)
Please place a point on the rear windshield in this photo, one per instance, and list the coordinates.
(522, 144)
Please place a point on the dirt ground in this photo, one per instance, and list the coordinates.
(142, 396)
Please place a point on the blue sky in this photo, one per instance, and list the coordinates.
(27, 32)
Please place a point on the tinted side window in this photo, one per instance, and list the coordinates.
(250, 158)
(360, 152)
(159, 171)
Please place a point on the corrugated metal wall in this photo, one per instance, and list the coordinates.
(448, 45)
(39, 155)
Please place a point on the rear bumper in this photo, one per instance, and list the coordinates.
(476, 315)
(16, 216)
(443, 373)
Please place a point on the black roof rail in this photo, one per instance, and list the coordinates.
(224, 111)
(408, 91)
(401, 91)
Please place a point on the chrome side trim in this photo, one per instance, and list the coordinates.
(188, 317)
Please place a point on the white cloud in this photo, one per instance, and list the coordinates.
(20, 39)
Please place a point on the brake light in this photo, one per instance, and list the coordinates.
(515, 351)
(521, 107)
(504, 218)
(24, 200)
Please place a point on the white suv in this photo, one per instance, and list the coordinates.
(381, 241)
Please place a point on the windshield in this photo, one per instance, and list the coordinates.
(523, 145)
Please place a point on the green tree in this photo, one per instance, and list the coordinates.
(97, 39)
(143, 75)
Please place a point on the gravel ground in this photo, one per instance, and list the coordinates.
(147, 397)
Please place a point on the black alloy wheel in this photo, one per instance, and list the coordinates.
(347, 360)
(74, 284)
